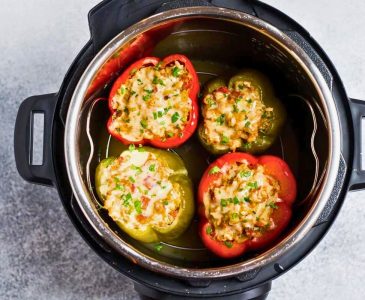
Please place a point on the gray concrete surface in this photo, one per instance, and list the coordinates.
(41, 254)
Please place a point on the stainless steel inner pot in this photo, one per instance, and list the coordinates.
(214, 38)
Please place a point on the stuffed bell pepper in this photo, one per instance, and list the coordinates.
(155, 102)
(147, 192)
(244, 203)
(240, 113)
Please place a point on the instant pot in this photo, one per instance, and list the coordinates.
(321, 140)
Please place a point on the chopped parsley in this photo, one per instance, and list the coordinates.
(146, 97)
(137, 169)
(253, 185)
(224, 202)
(158, 247)
(131, 179)
(175, 117)
(211, 102)
(133, 71)
(159, 114)
(144, 124)
(249, 100)
(209, 230)
(138, 206)
(272, 205)
(235, 200)
(234, 216)
(157, 80)
(224, 140)
(119, 187)
(247, 124)
(121, 91)
(228, 244)
(165, 202)
(126, 198)
(152, 168)
(175, 71)
(141, 149)
(154, 115)
(132, 147)
(245, 173)
(235, 108)
(221, 119)
(246, 199)
(158, 66)
(214, 170)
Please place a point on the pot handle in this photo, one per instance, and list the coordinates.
(357, 180)
(35, 112)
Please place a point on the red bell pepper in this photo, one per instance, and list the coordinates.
(139, 47)
(192, 86)
(280, 216)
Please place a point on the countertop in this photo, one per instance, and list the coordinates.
(41, 254)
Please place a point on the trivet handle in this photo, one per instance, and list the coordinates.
(357, 181)
(35, 111)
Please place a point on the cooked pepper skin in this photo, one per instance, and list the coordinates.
(281, 216)
(180, 176)
(193, 86)
(259, 80)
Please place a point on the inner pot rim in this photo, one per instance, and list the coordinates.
(81, 190)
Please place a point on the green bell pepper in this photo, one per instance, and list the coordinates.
(271, 121)
(147, 231)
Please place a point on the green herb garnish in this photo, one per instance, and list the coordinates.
(126, 198)
(175, 117)
(246, 199)
(152, 168)
(157, 80)
(272, 205)
(144, 124)
(224, 140)
(158, 247)
(228, 244)
(221, 119)
(175, 71)
(209, 230)
(253, 185)
(214, 170)
(138, 206)
(245, 173)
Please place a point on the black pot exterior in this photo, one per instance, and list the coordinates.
(55, 174)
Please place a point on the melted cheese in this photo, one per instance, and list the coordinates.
(138, 192)
(234, 117)
(153, 103)
(240, 202)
